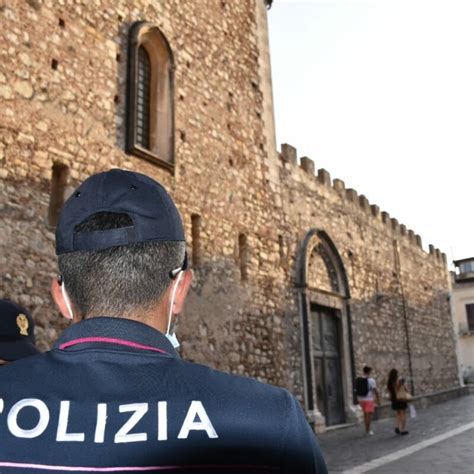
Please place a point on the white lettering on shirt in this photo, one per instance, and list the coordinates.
(101, 421)
(196, 419)
(62, 434)
(12, 420)
(123, 435)
(204, 424)
(162, 421)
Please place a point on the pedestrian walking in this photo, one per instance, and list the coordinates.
(367, 397)
(399, 397)
(113, 394)
(17, 332)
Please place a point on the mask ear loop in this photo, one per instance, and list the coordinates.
(173, 294)
(65, 297)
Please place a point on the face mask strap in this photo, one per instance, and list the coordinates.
(170, 314)
(65, 297)
(173, 273)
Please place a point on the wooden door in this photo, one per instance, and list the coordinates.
(327, 364)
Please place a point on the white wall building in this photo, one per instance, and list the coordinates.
(463, 306)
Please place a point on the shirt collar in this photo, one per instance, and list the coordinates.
(123, 333)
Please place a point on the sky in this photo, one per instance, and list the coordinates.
(381, 94)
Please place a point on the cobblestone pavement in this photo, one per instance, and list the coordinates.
(345, 449)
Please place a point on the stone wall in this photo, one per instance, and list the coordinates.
(62, 100)
(399, 293)
(62, 91)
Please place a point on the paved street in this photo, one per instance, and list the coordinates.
(441, 440)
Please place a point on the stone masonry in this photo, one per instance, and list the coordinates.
(62, 101)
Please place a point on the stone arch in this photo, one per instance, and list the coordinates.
(323, 285)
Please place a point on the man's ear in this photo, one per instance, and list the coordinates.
(58, 298)
(182, 291)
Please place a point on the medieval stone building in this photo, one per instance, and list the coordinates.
(298, 280)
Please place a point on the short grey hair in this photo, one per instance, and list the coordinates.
(118, 281)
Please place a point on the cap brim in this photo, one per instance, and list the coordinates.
(14, 350)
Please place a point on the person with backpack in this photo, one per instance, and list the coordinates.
(367, 396)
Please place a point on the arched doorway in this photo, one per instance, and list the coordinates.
(326, 331)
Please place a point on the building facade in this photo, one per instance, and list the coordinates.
(298, 281)
(463, 312)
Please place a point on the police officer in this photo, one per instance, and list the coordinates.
(17, 332)
(113, 395)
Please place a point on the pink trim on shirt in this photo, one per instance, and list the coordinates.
(110, 340)
(49, 467)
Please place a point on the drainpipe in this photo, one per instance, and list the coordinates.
(405, 312)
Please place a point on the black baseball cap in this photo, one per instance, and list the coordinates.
(151, 209)
(17, 332)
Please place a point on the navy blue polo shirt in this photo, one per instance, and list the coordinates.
(113, 396)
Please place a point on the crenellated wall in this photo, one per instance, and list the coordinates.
(399, 293)
(288, 155)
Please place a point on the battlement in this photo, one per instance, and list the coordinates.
(322, 177)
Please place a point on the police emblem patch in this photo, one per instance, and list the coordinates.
(22, 323)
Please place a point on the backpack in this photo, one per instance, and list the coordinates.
(362, 386)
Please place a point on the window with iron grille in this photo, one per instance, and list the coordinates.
(143, 98)
(150, 96)
(470, 316)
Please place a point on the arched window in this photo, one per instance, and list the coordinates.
(150, 103)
